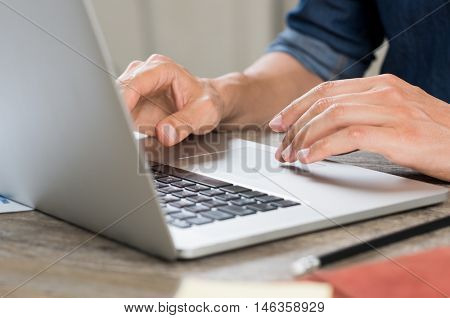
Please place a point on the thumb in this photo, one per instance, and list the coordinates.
(197, 118)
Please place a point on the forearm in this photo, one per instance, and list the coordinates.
(265, 88)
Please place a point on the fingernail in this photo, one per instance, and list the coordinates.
(303, 154)
(287, 153)
(170, 133)
(276, 124)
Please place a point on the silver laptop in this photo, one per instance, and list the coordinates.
(69, 151)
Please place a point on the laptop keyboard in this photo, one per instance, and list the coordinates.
(189, 199)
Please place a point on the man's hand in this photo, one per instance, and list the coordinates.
(166, 101)
(381, 114)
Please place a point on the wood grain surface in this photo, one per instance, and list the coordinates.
(37, 257)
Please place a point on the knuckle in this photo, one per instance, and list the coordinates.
(127, 74)
(337, 111)
(208, 101)
(324, 87)
(291, 107)
(393, 93)
(322, 104)
(161, 67)
(209, 108)
(157, 58)
(134, 64)
(389, 78)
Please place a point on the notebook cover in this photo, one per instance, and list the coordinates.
(426, 274)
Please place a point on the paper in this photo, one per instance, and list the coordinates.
(195, 288)
(8, 206)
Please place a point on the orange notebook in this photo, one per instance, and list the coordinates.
(425, 274)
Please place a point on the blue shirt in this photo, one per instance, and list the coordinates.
(335, 39)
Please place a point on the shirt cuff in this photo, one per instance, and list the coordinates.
(317, 56)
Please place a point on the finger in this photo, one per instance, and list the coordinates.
(368, 138)
(336, 118)
(147, 117)
(194, 118)
(130, 69)
(124, 79)
(133, 67)
(291, 113)
(370, 97)
(147, 81)
(155, 58)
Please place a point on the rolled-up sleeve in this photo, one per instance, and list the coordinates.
(333, 39)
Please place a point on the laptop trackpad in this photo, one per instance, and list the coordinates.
(329, 187)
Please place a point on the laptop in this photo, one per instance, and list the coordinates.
(70, 152)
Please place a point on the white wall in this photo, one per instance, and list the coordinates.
(124, 28)
(209, 37)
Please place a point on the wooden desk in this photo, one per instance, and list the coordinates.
(30, 242)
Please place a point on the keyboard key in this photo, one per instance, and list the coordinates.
(182, 184)
(198, 199)
(252, 194)
(234, 189)
(169, 189)
(160, 194)
(197, 208)
(218, 215)
(242, 202)
(236, 210)
(157, 176)
(268, 199)
(263, 207)
(183, 215)
(160, 185)
(197, 188)
(284, 204)
(170, 209)
(214, 203)
(227, 197)
(184, 194)
(169, 180)
(168, 199)
(212, 192)
(191, 176)
(209, 182)
(200, 220)
(181, 204)
(168, 218)
(180, 223)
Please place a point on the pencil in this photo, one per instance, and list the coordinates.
(310, 263)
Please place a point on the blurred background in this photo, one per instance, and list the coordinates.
(209, 37)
